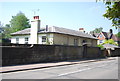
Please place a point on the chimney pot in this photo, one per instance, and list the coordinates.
(82, 30)
(36, 17)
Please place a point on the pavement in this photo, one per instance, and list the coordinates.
(7, 69)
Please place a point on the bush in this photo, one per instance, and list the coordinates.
(110, 41)
(101, 46)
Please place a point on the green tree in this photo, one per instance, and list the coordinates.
(113, 13)
(1, 31)
(101, 46)
(118, 34)
(7, 31)
(19, 22)
(110, 41)
(97, 30)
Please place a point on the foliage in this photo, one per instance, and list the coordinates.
(101, 46)
(7, 31)
(118, 34)
(110, 41)
(113, 13)
(97, 30)
(19, 22)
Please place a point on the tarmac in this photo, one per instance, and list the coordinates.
(7, 69)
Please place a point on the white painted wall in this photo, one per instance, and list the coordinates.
(49, 36)
(35, 26)
(21, 39)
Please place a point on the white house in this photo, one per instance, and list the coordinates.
(51, 35)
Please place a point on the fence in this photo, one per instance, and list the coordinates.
(46, 53)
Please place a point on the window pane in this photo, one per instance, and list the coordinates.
(43, 38)
(17, 40)
(26, 40)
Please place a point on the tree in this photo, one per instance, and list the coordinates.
(113, 13)
(110, 41)
(97, 30)
(1, 31)
(101, 46)
(118, 34)
(7, 31)
(19, 22)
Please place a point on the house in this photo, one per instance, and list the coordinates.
(105, 36)
(52, 35)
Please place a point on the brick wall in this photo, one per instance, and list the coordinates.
(46, 53)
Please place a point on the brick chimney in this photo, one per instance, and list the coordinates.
(35, 27)
(82, 30)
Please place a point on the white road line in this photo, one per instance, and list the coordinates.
(74, 72)
(80, 70)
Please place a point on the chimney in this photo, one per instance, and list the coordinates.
(111, 31)
(82, 30)
(46, 27)
(111, 34)
(35, 27)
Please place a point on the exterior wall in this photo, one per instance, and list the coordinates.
(60, 39)
(57, 39)
(35, 26)
(101, 38)
(49, 38)
(21, 39)
(94, 43)
(46, 53)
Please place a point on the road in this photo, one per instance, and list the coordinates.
(93, 70)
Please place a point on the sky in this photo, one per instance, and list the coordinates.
(71, 15)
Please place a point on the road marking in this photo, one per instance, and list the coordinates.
(74, 72)
(80, 70)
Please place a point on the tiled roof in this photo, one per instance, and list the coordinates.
(110, 46)
(55, 29)
(22, 32)
(110, 36)
(95, 34)
(105, 34)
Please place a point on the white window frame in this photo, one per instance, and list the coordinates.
(17, 40)
(26, 40)
(44, 38)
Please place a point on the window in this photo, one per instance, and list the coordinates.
(100, 36)
(43, 38)
(17, 40)
(26, 40)
(75, 42)
(84, 42)
(100, 41)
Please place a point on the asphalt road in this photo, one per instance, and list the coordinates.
(93, 70)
